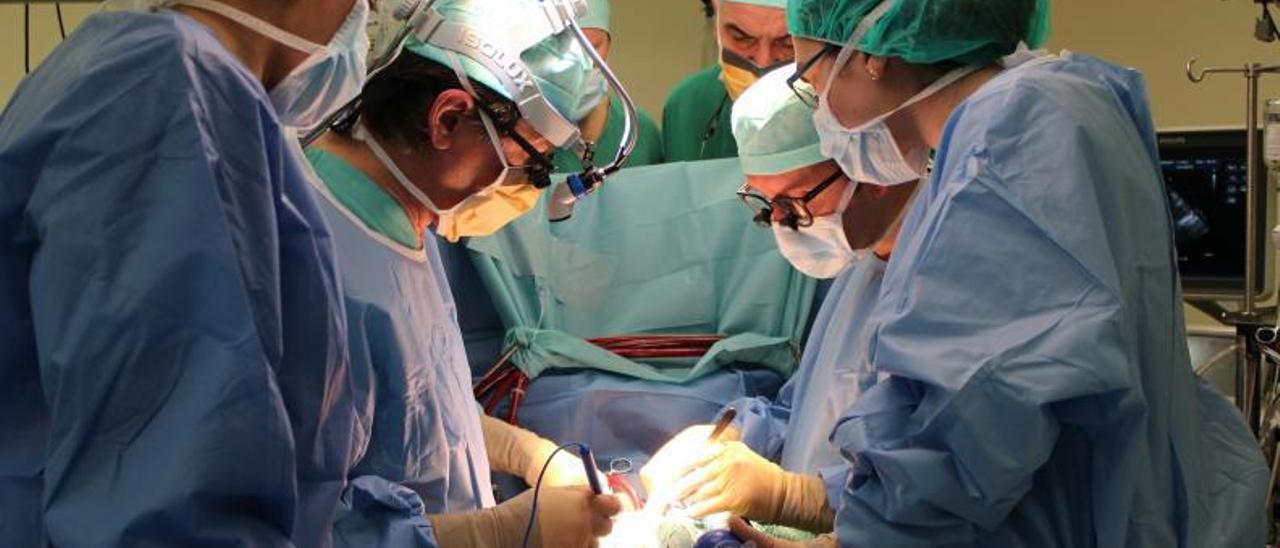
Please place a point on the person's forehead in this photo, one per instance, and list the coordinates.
(806, 48)
(758, 21)
(787, 183)
(807, 52)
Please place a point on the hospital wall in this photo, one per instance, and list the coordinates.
(657, 42)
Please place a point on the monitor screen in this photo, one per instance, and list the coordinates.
(1205, 177)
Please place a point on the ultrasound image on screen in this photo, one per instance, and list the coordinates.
(1207, 198)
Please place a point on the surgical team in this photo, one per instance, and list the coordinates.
(227, 321)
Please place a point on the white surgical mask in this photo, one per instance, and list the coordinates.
(821, 249)
(868, 153)
(330, 76)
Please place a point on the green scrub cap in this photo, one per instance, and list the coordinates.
(597, 16)
(924, 31)
(774, 128)
(560, 67)
(780, 4)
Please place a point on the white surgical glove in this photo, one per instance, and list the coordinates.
(568, 517)
(730, 477)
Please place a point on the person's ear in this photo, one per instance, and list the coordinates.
(449, 113)
(875, 66)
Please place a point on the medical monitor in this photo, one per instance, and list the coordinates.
(1205, 182)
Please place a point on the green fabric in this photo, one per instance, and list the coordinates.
(774, 128)
(660, 249)
(926, 31)
(597, 16)
(362, 197)
(648, 149)
(688, 116)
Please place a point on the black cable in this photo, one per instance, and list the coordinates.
(713, 125)
(26, 38)
(537, 489)
(62, 30)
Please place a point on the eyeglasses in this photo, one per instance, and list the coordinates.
(539, 171)
(803, 89)
(796, 210)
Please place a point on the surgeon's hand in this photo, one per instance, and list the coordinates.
(565, 470)
(569, 517)
(661, 473)
(730, 477)
(748, 533)
(515, 450)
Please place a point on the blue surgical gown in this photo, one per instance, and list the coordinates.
(793, 428)
(406, 349)
(172, 351)
(1039, 388)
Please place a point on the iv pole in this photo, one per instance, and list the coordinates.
(1249, 320)
(1256, 393)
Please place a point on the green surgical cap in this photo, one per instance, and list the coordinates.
(774, 128)
(780, 4)
(597, 16)
(560, 67)
(924, 31)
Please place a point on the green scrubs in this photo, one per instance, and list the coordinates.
(363, 198)
(648, 149)
(695, 120)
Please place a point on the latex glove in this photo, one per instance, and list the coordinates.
(515, 450)
(748, 533)
(568, 517)
(660, 474)
(730, 477)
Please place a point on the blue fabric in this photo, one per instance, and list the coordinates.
(1040, 391)
(380, 513)
(793, 428)
(172, 363)
(482, 329)
(407, 350)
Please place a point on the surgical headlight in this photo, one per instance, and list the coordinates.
(501, 57)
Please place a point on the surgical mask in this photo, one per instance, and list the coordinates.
(738, 72)
(328, 78)
(820, 250)
(480, 214)
(868, 153)
(596, 88)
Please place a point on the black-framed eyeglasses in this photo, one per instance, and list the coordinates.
(539, 171)
(803, 89)
(796, 209)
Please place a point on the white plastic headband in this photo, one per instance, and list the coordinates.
(505, 64)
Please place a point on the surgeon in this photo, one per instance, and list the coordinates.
(1037, 387)
(827, 227)
(438, 140)
(753, 40)
(603, 125)
(172, 363)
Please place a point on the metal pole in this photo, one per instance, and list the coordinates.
(1252, 76)
(1243, 399)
